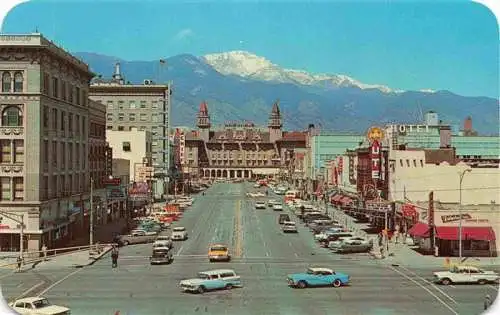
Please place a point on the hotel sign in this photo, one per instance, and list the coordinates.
(375, 159)
(409, 128)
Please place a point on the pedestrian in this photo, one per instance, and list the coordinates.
(19, 263)
(114, 257)
(44, 252)
(487, 301)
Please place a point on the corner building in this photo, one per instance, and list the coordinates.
(44, 140)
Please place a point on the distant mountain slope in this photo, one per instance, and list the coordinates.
(239, 85)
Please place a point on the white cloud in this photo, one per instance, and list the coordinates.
(183, 34)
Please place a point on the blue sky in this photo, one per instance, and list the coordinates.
(451, 45)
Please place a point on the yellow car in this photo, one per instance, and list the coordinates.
(218, 252)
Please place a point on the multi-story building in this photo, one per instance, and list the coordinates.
(133, 145)
(143, 106)
(45, 143)
(239, 150)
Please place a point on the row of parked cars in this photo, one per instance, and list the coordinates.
(327, 232)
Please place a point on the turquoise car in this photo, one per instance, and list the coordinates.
(317, 277)
(211, 280)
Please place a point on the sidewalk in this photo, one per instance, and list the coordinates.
(404, 254)
(77, 259)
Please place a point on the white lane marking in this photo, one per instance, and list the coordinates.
(180, 250)
(493, 287)
(190, 255)
(290, 244)
(267, 254)
(7, 275)
(426, 289)
(131, 257)
(29, 290)
(60, 280)
(296, 255)
(432, 284)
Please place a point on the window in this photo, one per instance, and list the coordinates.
(71, 93)
(63, 90)
(131, 117)
(121, 128)
(154, 117)
(55, 87)
(78, 96)
(84, 127)
(5, 189)
(54, 153)
(401, 162)
(126, 146)
(6, 82)
(421, 163)
(142, 128)
(143, 117)
(77, 155)
(109, 117)
(121, 104)
(18, 188)
(46, 83)
(143, 104)
(110, 104)
(53, 187)
(77, 123)
(154, 104)
(45, 188)
(45, 117)
(6, 154)
(70, 122)
(84, 98)
(63, 121)
(45, 155)
(414, 163)
(121, 117)
(18, 82)
(18, 151)
(132, 105)
(54, 119)
(407, 163)
(12, 116)
(109, 127)
(63, 155)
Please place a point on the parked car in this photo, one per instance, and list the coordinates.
(278, 207)
(212, 280)
(333, 237)
(354, 246)
(341, 240)
(260, 205)
(289, 227)
(136, 237)
(164, 238)
(38, 305)
(179, 234)
(218, 252)
(465, 274)
(318, 277)
(272, 202)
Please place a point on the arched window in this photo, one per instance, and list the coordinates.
(18, 82)
(6, 82)
(12, 117)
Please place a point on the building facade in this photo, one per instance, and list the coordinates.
(145, 107)
(45, 143)
(240, 149)
(135, 146)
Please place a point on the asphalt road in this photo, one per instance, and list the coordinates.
(262, 256)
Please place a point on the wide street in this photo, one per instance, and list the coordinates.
(262, 256)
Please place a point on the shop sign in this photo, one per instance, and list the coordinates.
(375, 159)
(455, 217)
(114, 189)
(409, 210)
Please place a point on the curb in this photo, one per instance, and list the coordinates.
(93, 260)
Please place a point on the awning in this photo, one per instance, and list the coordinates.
(477, 233)
(419, 229)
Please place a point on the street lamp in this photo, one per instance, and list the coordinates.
(462, 174)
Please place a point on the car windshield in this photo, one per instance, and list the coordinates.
(179, 229)
(310, 272)
(203, 276)
(41, 303)
(218, 248)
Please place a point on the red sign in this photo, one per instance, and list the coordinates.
(375, 157)
(409, 210)
(112, 181)
(341, 165)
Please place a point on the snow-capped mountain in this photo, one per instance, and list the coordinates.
(251, 66)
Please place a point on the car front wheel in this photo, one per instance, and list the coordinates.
(337, 283)
(446, 281)
(302, 284)
(201, 289)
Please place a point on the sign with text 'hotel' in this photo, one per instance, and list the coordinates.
(409, 128)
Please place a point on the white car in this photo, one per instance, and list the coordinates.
(39, 306)
(211, 280)
(278, 207)
(465, 274)
(260, 205)
(179, 234)
(289, 227)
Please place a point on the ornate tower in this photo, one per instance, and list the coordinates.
(275, 123)
(203, 121)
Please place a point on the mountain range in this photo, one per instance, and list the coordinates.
(239, 85)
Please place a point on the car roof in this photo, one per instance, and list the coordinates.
(289, 222)
(179, 228)
(31, 299)
(318, 269)
(217, 271)
(218, 244)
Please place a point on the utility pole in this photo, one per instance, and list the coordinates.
(460, 214)
(91, 212)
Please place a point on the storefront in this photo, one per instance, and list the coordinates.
(478, 236)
